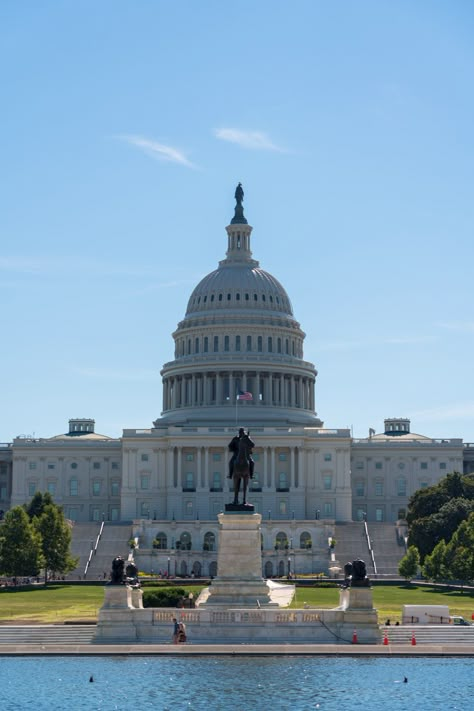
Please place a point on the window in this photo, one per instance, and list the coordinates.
(216, 344)
(51, 465)
(114, 488)
(327, 509)
(279, 345)
(282, 457)
(402, 487)
(96, 488)
(209, 541)
(190, 457)
(51, 487)
(206, 344)
(327, 457)
(379, 515)
(424, 465)
(305, 540)
(282, 481)
(378, 465)
(260, 344)
(32, 465)
(237, 343)
(196, 345)
(327, 482)
(73, 465)
(360, 488)
(115, 465)
(73, 487)
(96, 514)
(442, 465)
(423, 484)
(144, 510)
(144, 481)
(144, 457)
(96, 465)
(188, 508)
(378, 488)
(401, 465)
(216, 481)
(226, 343)
(249, 343)
(216, 457)
(161, 540)
(283, 507)
(270, 344)
(256, 457)
(255, 483)
(189, 481)
(359, 465)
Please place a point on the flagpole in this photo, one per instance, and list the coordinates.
(236, 403)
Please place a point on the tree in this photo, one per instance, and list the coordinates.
(410, 563)
(436, 512)
(55, 540)
(434, 567)
(20, 545)
(38, 503)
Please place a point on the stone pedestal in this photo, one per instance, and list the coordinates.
(116, 622)
(239, 582)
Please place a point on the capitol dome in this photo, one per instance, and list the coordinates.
(239, 335)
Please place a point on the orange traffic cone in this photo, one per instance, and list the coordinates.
(385, 638)
(354, 637)
(413, 639)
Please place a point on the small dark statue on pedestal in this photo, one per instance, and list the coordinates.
(131, 572)
(117, 576)
(355, 575)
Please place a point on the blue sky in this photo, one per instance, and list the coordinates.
(125, 128)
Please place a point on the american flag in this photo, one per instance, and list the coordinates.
(244, 396)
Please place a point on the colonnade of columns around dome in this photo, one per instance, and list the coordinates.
(219, 388)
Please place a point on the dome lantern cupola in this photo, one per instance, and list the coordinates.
(238, 232)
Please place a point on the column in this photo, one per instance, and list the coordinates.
(182, 391)
(266, 476)
(205, 396)
(193, 398)
(232, 392)
(292, 467)
(218, 389)
(179, 467)
(206, 465)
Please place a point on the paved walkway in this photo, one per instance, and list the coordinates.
(186, 650)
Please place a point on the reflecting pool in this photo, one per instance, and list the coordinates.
(236, 683)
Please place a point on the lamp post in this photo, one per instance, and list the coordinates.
(289, 567)
(169, 561)
(318, 513)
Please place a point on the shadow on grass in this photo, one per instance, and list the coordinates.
(31, 588)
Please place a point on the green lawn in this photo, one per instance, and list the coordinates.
(58, 603)
(388, 600)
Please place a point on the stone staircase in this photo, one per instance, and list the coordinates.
(388, 552)
(429, 634)
(46, 634)
(351, 543)
(112, 542)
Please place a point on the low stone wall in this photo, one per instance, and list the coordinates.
(245, 626)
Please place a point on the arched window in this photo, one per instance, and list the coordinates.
(249, 343)
(268, 569)
(197, 569)
(283, 481)
(196, 345)
(260, 344)
(213, 569)
(209, 541)
(237, 343)
(226, 343)
(206, 344)
(281, 569)
(185, 541)
(161, 541)
(281, 541)
(183, 568)
(279, 345)
(305, 540)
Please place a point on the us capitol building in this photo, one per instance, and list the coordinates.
(238, 361)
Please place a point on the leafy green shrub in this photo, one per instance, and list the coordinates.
(163, 597)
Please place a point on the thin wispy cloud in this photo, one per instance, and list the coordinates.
(158, 151)
(461, 326)
(452, 411)
(253, 140)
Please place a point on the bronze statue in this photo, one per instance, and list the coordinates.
(355, 574)
(116, 576)
(241, 464)
(239, 194)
